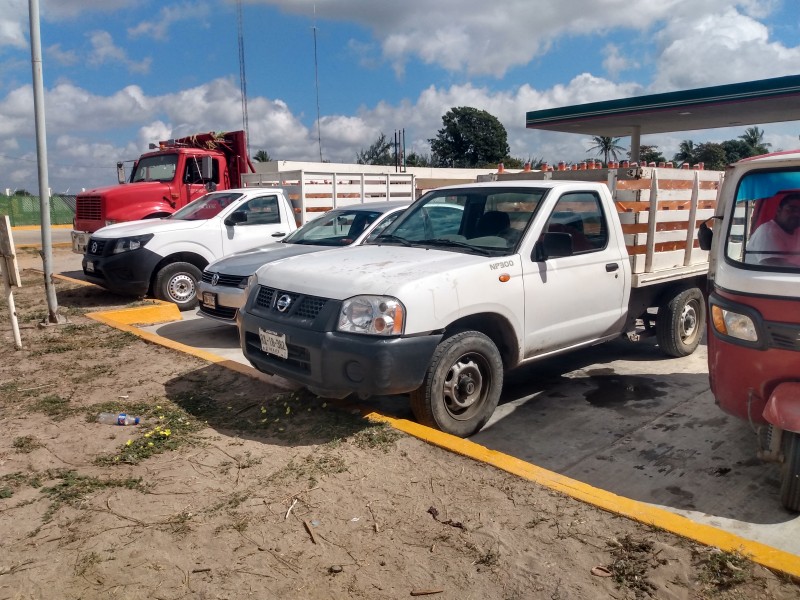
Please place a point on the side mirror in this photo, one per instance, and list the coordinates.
(236, 217)
(553, 245)
(207, 168)
(704, 235)
(120, 172)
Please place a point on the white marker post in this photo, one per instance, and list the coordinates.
(9, 272)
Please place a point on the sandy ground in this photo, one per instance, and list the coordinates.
(232, 488)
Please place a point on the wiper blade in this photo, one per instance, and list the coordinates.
(392, 238)
(454, 244)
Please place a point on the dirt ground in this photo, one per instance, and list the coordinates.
(232, 488)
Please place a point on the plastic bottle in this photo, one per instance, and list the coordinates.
(117, 419)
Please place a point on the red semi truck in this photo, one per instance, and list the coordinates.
(173, 174)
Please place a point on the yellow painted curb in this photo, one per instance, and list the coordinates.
(767, 556)
(36, 227)
(125, 319)
(648, 514)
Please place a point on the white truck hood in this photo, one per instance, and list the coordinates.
(435, 286)
(145, 226)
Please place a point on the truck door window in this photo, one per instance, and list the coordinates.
(263, 210)
(764, 232)
(580, 215)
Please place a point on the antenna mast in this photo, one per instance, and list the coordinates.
(242, 76)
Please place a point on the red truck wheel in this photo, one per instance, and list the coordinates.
(177, 282)
(462, 386)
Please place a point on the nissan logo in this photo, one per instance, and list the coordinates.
(94, 248)
(283, 303)
(215, 279)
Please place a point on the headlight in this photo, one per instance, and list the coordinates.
(134, 242)
(372, 315)
(247, 282)
(733, 324)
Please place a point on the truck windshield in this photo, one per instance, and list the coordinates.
(484, 220)
(205, 207)
(155, 168)
(765, 229)
(334, 228)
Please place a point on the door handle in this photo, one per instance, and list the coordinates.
(611, 267)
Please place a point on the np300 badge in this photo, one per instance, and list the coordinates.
(283, 303)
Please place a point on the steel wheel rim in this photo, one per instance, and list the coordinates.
(466, 386)
(688, 321)
(181, 288)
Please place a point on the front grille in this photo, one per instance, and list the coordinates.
(220, 312)
(96, 246)
(300, 306)
(89, 208)
(784, 336)
(224, 280)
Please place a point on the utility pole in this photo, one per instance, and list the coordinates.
(53, 318)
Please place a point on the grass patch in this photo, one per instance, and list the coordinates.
(10, 482)
(163, 428)
(74, 487)
(380, 436)
(631, 562)
(25, 444)
(722, 570)
(53, 405)
(312, 468)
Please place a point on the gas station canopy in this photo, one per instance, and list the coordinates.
(752, 102)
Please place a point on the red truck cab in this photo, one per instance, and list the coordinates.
(164, 180)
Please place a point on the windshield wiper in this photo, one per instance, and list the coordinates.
(392, 238)
(454, 244)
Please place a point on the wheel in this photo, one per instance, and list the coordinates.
(462, 385)
(680, 323)
(790, 472)
(177, 282)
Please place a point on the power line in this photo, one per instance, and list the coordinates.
(33, 160)
(242, 75)
(316, 82)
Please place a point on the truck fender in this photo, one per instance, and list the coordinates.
(783, 407)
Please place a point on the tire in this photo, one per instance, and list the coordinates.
(680, 323)
(177, 282)
(462, 385)
(790, 472)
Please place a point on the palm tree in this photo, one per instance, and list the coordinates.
(754, 137)
(261, 156)
(686, 152)
(606, 146)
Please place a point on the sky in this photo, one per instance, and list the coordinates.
(120, 74)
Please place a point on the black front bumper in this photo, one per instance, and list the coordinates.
(334, 364)
(127, 273)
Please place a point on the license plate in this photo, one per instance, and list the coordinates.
(209, 300)
(79, 241)
(273, 343)
(90, 267)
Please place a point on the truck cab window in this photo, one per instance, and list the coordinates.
(580, 215)
(263, 210)
(156, 168)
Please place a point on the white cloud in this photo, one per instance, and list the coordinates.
(13, 18)
(168, 16)
(105, 51)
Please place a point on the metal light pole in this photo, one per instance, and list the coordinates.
(53, 317)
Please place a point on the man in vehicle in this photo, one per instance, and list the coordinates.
(777, 242)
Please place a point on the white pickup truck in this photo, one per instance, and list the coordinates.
(166, 257)
(442, 307)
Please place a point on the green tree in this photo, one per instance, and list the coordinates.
(261, 156)
(379, 153)
(686, 152)
(737, 150)
(21, 192)
(712, 155)
(649, 153)
(606, 146)
(469, 138)
(418, 160)
(754, 137)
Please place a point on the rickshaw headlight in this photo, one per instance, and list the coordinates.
(733, 324)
